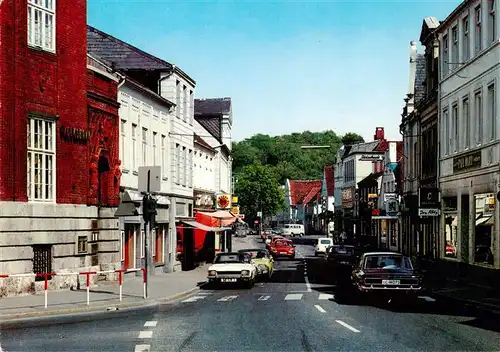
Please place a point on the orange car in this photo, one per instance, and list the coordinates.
(281, 247)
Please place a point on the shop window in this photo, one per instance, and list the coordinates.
(485, 210)
(451, 227)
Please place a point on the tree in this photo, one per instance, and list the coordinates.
(352, 138)
(258, 189)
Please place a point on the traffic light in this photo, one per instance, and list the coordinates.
(148, 208)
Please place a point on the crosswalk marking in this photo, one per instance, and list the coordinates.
(151, 323)
(264, 298)
(193, 299)
(325, 296)
(205, 293)
(142, 348)
(146, 334)
(227, 298)
(293, 297)
(427, 298)
(347, 326)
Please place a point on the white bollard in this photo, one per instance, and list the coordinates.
(88, 295)
(144, 290)
(121, 291)
(46, 300)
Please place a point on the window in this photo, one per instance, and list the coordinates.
(466, 116)
(82, 244)
(144, 147)
(190, 169)
(177, 163)
(191, 104)
(478, 108)
(491, 21)
(454, 48)
(154, 147)
(41, 162)
(163, 156)
(466, 39)
(123, 125)
(122, 245)
(446, 125)
(478, 32)
(42, 260)
(142, 240)
(184, 166)
(492, 111)
(185, 112)
(445, 56)
(41, 24)
(456, 128)
(178, 99)
(134, 147)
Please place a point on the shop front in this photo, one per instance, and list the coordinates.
(348, 210)
(469, 236)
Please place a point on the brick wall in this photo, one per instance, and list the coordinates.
(39, 82)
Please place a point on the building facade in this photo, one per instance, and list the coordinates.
(215, 116)
(204, 170)
(170, 86)
(58, 148)
(469, 138)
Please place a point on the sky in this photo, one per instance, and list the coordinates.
(288, 66)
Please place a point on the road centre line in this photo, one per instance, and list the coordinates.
(142, 348)
(151, 323)
(308, 284)
(345, 325)
(146, 334)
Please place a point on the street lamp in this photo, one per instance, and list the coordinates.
(315, 146)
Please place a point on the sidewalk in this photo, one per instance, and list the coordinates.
(482, 299)
(162, 287)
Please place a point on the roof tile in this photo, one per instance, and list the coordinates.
(300, 189)
(212, 106)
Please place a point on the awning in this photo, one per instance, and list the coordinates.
(201, 226)
(219, 214)
(483, 219)
(162, 200)
(135, 196)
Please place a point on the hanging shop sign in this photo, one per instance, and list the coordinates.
(428, 212)
(223, 201)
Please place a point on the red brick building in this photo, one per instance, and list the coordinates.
(58, 144)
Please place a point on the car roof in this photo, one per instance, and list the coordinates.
(382, 253)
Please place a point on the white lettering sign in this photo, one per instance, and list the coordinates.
(428, 212)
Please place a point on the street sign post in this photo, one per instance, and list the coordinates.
(149, 181)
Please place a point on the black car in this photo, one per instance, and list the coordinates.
(386, 275)
(340, 260)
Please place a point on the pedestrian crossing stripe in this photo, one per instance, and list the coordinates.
(194, 299)
(325, 296)
(293, 297)
(227, 298)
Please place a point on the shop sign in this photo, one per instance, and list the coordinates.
(428, 197)
(372, 195)
(392, 207)
(428, 212)
(347, 197)
(235, 210)
(223, 201)
(467, 162)
(369, 157)
(390, 196)
(74, 135)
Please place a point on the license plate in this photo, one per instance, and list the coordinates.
(344, 263)
(229, 280)
(282, 252)
(390, 282)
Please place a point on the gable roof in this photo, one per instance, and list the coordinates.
(121, 55)
(212, 106)
(368, 147)
(302, 190)
(212, 125)
(429, 25)
(201, 142)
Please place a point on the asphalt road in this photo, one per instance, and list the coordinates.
(296, 311)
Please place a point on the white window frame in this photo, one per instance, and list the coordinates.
(446, 55)
(466, 117)
(46, 12)
(141, 243)
(478, 30)
(144, 138)
(123, 136)
(155, 135)
(492, 23)
(134, 147)
(44, 151)
(178, 99)
(163, 155)
(177, 163)
(466, 39)
(185, 107)
(456, 127)
(184, 166)
(492, 106)
(191, 109)
(478, 114)
(190, 168)
(454, 47)
(122, 246)
(446, 125)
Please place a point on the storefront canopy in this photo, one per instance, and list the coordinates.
(200, 226)
(219, 214)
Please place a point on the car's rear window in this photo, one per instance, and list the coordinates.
(342, 250)
(283, 243)
(228, 258)
(387, 262)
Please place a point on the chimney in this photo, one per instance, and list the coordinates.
(379, 134)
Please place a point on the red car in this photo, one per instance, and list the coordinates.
(282, 248)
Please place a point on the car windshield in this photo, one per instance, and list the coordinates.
(387, 262)
(280, 243)
(229, 258)
(342, 250)
(255, 253)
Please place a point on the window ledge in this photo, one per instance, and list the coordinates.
(135, 173)
(125, 171)
(42, 50)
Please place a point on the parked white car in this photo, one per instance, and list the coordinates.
(232, 268)
(323, 244)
